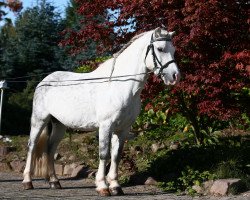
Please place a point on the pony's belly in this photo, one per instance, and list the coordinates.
(76, 112)
(82, 122)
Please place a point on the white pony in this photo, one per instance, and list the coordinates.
(107, 98)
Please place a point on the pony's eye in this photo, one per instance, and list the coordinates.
(160, 49)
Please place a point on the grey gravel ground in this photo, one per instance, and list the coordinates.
(11, 188)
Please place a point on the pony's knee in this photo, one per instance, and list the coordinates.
(104, 155)
(104, 150)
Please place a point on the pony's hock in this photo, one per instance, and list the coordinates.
(107, 99)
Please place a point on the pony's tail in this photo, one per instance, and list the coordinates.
(40, 155)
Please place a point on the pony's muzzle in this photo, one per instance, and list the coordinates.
(171, 79)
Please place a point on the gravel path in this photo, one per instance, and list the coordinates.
(11, 188)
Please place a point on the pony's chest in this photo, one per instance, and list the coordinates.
(122, 111)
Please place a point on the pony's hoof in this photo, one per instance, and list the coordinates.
(55, 185)
(104, 192)
(28, 186)
(116, 191)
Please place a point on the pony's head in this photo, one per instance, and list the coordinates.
(160, 57)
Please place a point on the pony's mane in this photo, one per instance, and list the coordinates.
(123, 49)
(125, 46)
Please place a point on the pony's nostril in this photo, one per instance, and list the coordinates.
(175, 76)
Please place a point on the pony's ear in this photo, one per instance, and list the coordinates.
(172, 34)
(158, 32)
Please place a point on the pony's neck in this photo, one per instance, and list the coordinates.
(131, 60)
(129, 70)
(130, 64)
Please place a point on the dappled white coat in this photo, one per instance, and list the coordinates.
(86, 104)
(79, 101)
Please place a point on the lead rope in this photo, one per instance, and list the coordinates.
(113, 66)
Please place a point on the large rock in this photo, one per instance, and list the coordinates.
(84, 149)
(174, 145)
(156, 147)
(223, 187)
(5, 167)
(150, 181)
(68, 169)
(207, 186)
(72, 158)
(198, 189)
(17, 165)
(59, 169)
(80, 171)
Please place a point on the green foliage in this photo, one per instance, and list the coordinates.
(30, 47)
(159, 126)
(190, 177)
(101, 59)
(230, 168)
(151, 117)
(23, 99)
(243, 122)
(83, 69)
(90, 66)
(246, 118)
(17, 111)
(187, 179)
(74, 21)
(155, 112)
(178, 123)
(32, 44)
(124, 180)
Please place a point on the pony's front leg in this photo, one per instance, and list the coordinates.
(116, 151)
(104, 154)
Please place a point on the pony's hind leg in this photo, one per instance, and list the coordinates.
(36, 128)
(58, 131)
(117, 142)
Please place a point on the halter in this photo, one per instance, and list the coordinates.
(155, 58)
